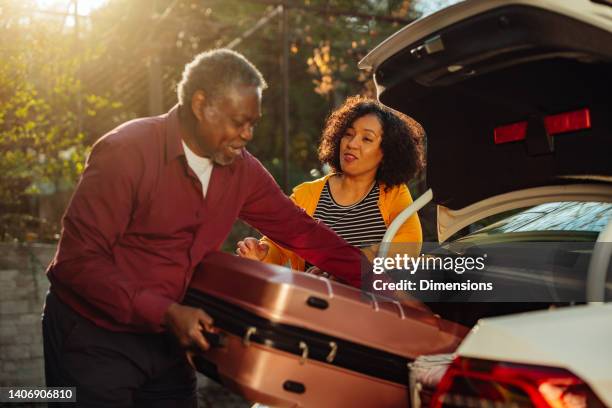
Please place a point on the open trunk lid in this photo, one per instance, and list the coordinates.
(468, 71)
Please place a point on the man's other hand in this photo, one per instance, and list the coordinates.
(251, 248)
(188, 324)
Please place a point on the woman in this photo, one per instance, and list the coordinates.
(373, 152)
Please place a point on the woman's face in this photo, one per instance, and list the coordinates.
(360, 151)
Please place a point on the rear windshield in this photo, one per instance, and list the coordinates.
(558, 216)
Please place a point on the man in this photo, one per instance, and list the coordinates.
(156, 195)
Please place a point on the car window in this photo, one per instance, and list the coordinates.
(558, 216)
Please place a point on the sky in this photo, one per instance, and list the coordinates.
(85, 7)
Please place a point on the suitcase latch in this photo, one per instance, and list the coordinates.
(332, 353)
(246, 340)
(304, 348)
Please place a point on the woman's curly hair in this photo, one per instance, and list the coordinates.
(402, 140)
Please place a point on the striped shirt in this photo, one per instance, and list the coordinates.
(360, 224)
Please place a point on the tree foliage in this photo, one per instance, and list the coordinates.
(61, 90)
(42, 147)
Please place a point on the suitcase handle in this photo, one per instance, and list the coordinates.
(215, 339)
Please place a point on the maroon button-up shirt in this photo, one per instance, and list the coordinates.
(138, 225)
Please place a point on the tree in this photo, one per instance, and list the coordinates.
(60, 90)
(42, 147)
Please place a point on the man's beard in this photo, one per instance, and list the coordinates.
(221, 160)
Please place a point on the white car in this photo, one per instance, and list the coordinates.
(516, 100)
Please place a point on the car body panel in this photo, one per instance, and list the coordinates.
(576, 338)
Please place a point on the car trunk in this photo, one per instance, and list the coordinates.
(516, 64)
(471, 70)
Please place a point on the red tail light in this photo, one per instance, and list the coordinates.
(510, 133)
(555, 124)
(568, 122)
(483, 383)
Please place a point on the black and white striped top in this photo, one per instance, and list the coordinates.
(360, 224)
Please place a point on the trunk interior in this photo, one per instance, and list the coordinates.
(519, 64)
(512, 64)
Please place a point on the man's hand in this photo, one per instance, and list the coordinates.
(251, 248)
(187, 324)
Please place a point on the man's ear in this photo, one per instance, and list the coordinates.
(198, 103)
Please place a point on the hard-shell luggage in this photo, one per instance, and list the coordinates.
(297, 340)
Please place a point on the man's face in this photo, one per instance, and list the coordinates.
(226, 124)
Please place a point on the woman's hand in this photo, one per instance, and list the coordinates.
(313, 270)
(251, 248)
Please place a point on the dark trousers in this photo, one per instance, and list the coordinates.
(111, 369)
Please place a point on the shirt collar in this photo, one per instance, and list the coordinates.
(174, 146)
(174, 140)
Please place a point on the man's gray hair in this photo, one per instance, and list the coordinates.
(214, 72)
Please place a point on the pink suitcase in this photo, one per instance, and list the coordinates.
(288, 339)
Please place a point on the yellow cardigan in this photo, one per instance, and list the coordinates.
(391, 203)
